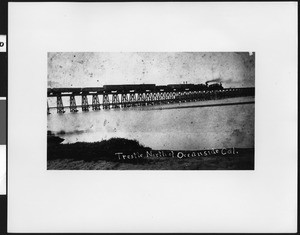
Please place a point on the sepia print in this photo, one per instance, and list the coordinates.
(150, 110)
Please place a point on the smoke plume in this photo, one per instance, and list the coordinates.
(215, 80)
(221, 80)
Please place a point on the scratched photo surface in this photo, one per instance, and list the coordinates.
(150, 110)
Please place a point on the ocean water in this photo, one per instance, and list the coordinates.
(169, 127)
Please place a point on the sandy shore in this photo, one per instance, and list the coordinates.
(122, 154)
(208, 163)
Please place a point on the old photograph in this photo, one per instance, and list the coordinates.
(150, 110)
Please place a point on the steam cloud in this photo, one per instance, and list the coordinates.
(221, 80)
(215, 80)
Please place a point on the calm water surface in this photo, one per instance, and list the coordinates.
(153, 126)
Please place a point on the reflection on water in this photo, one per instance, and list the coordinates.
(174, 129)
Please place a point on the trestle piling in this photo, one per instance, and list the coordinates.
(124, 96)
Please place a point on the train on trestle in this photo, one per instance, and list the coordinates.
(127, 88)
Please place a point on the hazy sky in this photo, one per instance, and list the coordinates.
(92, 69)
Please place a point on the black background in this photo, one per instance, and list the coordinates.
(3, 93)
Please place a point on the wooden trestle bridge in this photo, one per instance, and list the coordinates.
(122, 96)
